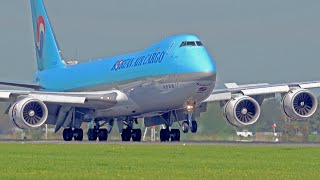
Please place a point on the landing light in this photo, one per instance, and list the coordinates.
(189, 108)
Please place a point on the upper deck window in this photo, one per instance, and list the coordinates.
(191, 43)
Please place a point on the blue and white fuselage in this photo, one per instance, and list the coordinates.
(164, 76)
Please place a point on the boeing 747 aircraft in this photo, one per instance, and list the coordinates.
(170, 81)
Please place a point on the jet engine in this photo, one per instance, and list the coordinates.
(299, 104)
(242, 111)
(28, 113)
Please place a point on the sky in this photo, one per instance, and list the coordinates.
(251, 41)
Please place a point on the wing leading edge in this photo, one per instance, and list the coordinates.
(258, 90)
(75, 98)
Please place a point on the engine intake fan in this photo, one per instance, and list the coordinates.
(28, 113)
(242, 111)
(299, 104)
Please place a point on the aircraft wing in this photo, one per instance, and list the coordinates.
(66, 100)
(264, 89)
(107, 98)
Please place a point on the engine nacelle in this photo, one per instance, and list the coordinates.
(299, 104)
(242, 111)
(28, 113)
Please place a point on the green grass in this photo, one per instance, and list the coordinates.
(84, 161)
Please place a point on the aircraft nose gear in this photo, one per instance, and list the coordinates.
(185, 127)
(192, 123)
(194, 126)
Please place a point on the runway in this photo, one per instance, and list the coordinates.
(182, 143)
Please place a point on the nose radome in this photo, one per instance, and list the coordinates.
(194, 58)
(202, 61)
(208, 63)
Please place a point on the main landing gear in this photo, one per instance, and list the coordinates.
(167, 134)
(98, 133)
(69, 134)
(129, 133)
(174, 134)
(94, 134)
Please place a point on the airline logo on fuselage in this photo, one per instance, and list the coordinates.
(151, 58)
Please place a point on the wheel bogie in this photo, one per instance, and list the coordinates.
(126, 134)
(164, 134)
(136, 135)
(68, 134)
(92, 135)
(103, 134)
(175, 135)
(78, 134)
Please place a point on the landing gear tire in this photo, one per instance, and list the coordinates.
(67, 134)
(78, 134)
(92, 134)
(194, 126)
(103, 134)
(126, 134)
(164, 135)
(185, 127)
(136, 135)
(175, 135)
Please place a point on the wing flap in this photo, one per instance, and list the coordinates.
(5, 95)
(59, 99)
(219, 97)
(231, 85)
(265, 90)
(310, 85)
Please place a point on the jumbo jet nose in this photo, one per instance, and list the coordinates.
(193, 57)
(206, 63)
(197, 60)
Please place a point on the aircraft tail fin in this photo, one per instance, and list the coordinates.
(47, 50)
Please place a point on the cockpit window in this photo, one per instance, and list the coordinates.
(183, 43)
(199, 43)
(191, 43)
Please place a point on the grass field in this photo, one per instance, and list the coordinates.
(109, 161)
